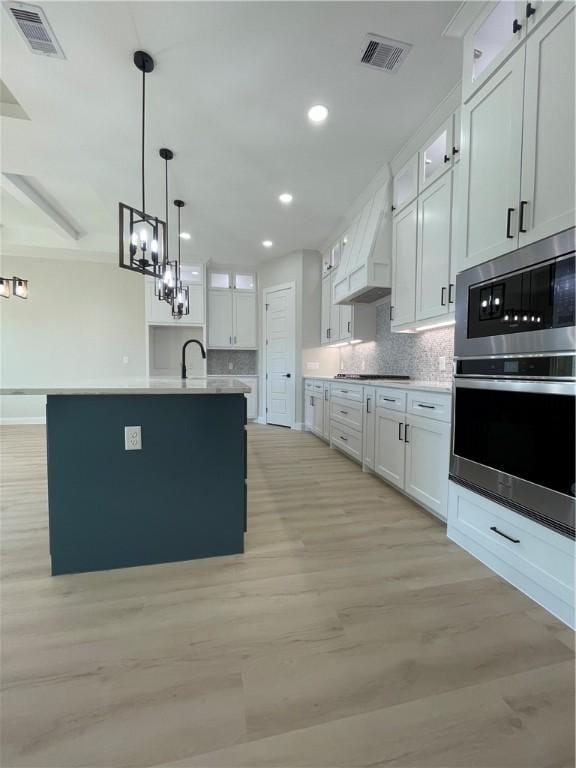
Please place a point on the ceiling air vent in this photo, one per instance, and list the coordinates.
(383, 53)
(35, 29)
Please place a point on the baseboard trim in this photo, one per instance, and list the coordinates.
(11, 421)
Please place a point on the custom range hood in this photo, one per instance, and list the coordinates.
(364, 274)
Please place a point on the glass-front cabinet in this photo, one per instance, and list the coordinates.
(405, 185)
(437, 154)
(230, 279)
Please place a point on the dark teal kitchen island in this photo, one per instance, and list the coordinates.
(181, 496)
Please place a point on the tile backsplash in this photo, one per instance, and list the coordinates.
(413, 354)
(245, 361)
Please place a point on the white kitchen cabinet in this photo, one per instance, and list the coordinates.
(491, 163)
(345, 322)
(389, 456)
(326, 396)
(405, 185)
(219, 279)
(160, 313)
(404, 253)
(308, 405)
(547, 199)
(490, 40)
(436, 154)
(331, 259)
(369, 428)
(244, 306)
(427, 462)
(434, 249)
(220, 319)
(326, 304)
(231, 319)
(334, 312)
(318, 412)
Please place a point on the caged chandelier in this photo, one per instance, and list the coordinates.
(142, 236)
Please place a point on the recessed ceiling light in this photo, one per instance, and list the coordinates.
(185, 235)
(285, 198)
(318, 113)
(267, 243)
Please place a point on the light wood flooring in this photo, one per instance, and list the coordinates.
(351, 633)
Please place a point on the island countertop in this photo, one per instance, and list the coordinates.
(137, 386)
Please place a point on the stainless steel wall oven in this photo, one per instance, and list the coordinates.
(513, 428)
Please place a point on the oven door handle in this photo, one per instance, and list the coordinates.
(512, 385)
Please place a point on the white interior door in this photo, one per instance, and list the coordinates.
(280, 355)
(548, 158)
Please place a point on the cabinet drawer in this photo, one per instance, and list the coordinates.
(318, 387)
(346, 412)
(394, 399)
(531, 550)
(348, 440)
(309, 386)
(347, 392)
(430, 404)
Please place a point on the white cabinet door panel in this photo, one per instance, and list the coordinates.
(326, 300)
(389, 446)
(244, 320)
(548, 159)
(434, 245)
(427, 460)
(436, 154)
(345, 322)
(334, 310)
(491, 163)
(220, 318)
(405, 185)
(404, 250)
(196, 304)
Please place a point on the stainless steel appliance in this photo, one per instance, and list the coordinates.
(513, 435)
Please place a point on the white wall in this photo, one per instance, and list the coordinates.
(81, 319)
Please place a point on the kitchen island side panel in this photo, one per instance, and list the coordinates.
(179, 498)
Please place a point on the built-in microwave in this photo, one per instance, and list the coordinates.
(520, 303)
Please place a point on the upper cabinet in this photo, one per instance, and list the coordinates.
(518, 145)
(548, 164)
(436, 155)
(232, 309)
(160, 313)
(331, 259)
(404, 254)
(405, 185)
(346, 322)
(497, 31)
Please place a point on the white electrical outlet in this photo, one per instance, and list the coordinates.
(230, 366)
(133, 438)
(441, 363)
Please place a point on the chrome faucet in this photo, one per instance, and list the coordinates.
(202, 350)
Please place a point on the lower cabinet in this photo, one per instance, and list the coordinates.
(368, 428)
(326, 395)
(390, 452)
(413, 452)
(427, 462)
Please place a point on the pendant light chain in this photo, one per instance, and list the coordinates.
(143, 141)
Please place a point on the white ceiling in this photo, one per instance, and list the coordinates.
(229, 95)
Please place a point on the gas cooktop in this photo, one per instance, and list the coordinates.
(364, 376)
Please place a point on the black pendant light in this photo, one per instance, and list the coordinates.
(181, 303)
(142, 236)
(168, 282)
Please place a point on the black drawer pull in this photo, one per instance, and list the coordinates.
(423, 405)
(344, 413)
(514, 541)
(368, 399)
(451, 293)
(446, 159)
(509, 235)
(389, 399)
(344, 438)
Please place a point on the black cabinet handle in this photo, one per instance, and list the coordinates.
(514, 541)
(423, 405)
(400, 425)
(516, 26)
(325, 394)
(451, 293)
(311, 400)
(389, 399)
(446, 158)
(523, 204)
(344, 413)
(530, 10)
(391, 312)
(344, 438)
(406, 433)
(509, 223)
(349, 323)
(288, 375)
(455, 150)
(392, 208)
(442, 296)
(368, 399)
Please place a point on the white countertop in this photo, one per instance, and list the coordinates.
(221, 385)
(420, 386)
